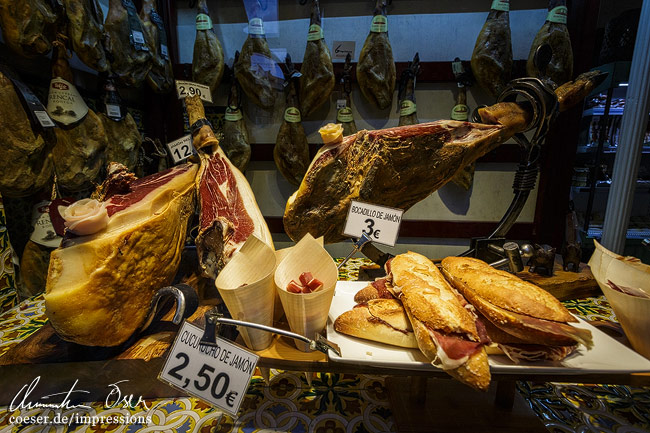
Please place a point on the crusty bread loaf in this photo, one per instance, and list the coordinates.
(520, 309)
(503, 289)
(371, 292)
(432, 304)
(475, 372)
(382, 320)
(530, 329)
(428, 296)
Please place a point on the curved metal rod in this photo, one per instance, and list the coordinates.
(213, 319)
(289, 334)
(511, 215)
(187, 301)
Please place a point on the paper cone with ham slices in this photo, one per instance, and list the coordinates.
(306, 311)
(534, 325)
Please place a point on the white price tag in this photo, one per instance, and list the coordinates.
(341, 103)
(380, 223)
(217, 374)
(341, 49)
(113, 111)
(181, 149)
(44, 119)
(138, 37)
(188, 88)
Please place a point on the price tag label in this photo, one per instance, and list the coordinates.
(44, 119)
(113, 111)
(138, 37)
(217, 374)
(181, 149)
(380, 223)
(188, 88)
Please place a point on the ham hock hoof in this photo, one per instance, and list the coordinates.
(99, 287)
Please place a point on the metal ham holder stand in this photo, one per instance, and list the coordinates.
(541, 101)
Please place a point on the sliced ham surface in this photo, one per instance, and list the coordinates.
(140, 188)
(382, 291)
(455, 346)
(222, 199)
(229, 214)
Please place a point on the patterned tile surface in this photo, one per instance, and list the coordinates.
(329, 403)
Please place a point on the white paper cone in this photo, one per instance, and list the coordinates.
(633, 312)
(246, 286)
(306, 312)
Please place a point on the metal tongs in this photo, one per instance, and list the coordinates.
(214, 319)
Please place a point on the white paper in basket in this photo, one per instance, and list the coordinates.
(632, 312)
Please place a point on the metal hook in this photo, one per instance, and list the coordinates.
(213, 320)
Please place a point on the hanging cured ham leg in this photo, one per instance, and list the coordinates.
(492, 56)
(79, 152)
(86, 31)
(400, 166)
(207, 59)
(554, 32)
(394, 167)
(28, 164)
(376, 68)
(228, 211)
(126, 43)
(317, 81)
(160, 77)
(27, 26)
(407, 109)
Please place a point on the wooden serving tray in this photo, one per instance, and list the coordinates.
(565, 285)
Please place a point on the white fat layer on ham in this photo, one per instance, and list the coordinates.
(442, 360)
(80, 250)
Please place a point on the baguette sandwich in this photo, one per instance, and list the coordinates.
(382, 320)
(525, 321)
(378, 289)
(446, 329)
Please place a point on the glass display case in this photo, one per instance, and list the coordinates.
(597, 144)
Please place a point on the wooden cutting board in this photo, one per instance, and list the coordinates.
(565, 285)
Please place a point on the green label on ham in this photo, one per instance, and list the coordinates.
(557, 15)
(315, 33)
(407, 107)
(292, 115)
(256, 27)
(460, 112)
(379, 24)
(203, 22)
(500, 5)
(344, 115)
(233, 114)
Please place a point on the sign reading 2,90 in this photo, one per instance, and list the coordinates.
(188, 88)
